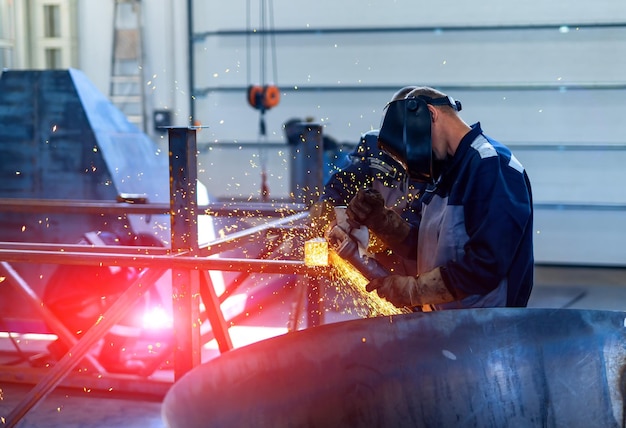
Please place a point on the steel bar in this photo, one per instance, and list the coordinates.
(78, 248)
(167, 261)
(228, 242)
(65, 206)
(51, 320)
(255, 303)
(60, 370)
(212, 302)
(405, 29)
(298, 305)
(201, 92)
(315, 302)
(234, 240)
(110, 382)
(214, 313)
(68, 206)
(186, 314)
(248, 209)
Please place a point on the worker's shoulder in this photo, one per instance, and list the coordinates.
(368, 144)
(488, 152)
(368, 147)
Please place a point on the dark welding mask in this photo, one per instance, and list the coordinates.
(405, 134)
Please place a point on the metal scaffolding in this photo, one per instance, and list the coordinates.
(188, 262)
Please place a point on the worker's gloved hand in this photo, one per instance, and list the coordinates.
(398, 290)
(368, 208)
(425, 289)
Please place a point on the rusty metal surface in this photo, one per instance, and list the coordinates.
(468, 368)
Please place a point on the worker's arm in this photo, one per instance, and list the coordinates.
(425, 289)
(368, 208)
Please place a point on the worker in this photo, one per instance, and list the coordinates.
(474, 230)
(368, 166)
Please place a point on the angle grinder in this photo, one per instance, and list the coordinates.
(350, 243)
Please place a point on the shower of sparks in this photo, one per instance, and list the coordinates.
(349, 282)
(348, 292)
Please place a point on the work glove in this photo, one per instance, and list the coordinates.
(368, 208)
(401, 291)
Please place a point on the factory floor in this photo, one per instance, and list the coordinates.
(555, 287)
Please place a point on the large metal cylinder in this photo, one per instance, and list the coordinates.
(507, 367)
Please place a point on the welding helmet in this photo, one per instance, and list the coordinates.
(405, 134)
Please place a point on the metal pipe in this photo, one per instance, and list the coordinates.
(200, 92)
(168, 261)
(113, 249)
(228, 242)
(405, 29)
(65, 206)
(191, 61)
(235, 239)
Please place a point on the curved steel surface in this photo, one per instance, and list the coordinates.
(515, 367)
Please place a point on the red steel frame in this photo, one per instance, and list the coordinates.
(186, 259)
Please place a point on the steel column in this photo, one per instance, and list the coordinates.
(184, 233)
(307, 164)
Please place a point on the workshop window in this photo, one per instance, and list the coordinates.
(6, 33)
(53, 58)
(52, 21)
(53, 42)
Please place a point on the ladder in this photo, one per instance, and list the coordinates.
(126, 90)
